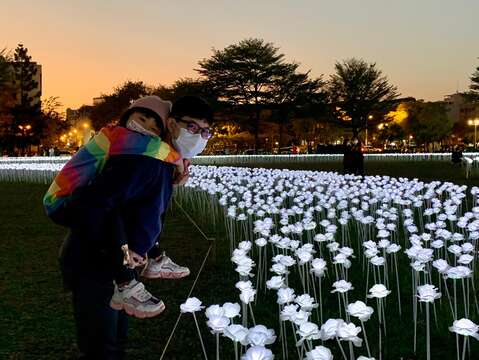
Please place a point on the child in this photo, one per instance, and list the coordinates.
(128, 215)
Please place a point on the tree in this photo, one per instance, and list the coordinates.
(24, 72)
(54, 121)
(296, 93)
(429, 122)
(5, 70)
(474, 86)
(356, 90)
(7, 101)
(244, 75)
(391, 132)
(111, 106)
(26, 112)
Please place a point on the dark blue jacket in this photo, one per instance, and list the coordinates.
(123, 204)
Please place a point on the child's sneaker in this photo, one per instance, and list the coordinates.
(136, 301)
(163, 267)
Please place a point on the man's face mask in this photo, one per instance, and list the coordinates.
(188, 144)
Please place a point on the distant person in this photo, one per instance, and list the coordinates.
(456, 155)
(347, 157)
(357, 157)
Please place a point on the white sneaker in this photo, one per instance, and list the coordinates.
(136, 301)
(163, 267)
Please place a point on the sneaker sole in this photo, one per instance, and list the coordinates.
(165, 275)
(130, 310)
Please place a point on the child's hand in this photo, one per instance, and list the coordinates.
(182, 173)
(132, 259)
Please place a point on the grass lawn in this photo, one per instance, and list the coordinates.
(35, 314)
(36, 318)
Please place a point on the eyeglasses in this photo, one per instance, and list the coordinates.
(194, 128)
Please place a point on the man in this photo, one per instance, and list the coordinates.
(122, 204)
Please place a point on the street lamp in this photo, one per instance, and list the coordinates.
(24, 129)
(474, 123)
(370, 117)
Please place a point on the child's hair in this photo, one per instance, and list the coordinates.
(146, 112)
(192, 106)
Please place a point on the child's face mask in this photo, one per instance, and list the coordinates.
(134, 125)
(189, 145)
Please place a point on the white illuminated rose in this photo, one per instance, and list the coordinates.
(318, 267)
(214, 310)
(231, 310)
(303, 256)
(370, 253)
(427, 293)
(285, 296)
(319, 353)
(306, 302)
(247, 296)
(383, 244)
(459, 272)
(377, 260)
(342, 286)
(467, 248)
(349, 332)
(243, 285)
(300, 317)
(261, 242)
(393, 248)
(308, 331)
(260, 336)
(218, 324)
(455, 249)
(287, 260)
(329, 329)
(275, 283)
(465, 259)
(441, 265)
(236, 333)
(340, 259)
(378, 291)
(279, 269)
(288, 312)
(465, 327)
(258, 353)
(191, 305)
(360, 310)
(245, 245)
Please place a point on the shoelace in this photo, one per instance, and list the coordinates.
(141, 293)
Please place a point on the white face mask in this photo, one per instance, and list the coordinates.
(189, 145)
(135, 126)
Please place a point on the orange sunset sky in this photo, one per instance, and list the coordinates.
(428, 48)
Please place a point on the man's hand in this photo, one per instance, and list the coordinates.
(132, 259)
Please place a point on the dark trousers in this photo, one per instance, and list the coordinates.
(101, 330)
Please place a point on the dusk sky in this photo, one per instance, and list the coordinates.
(428, 48)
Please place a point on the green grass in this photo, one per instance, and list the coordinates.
(35, 314)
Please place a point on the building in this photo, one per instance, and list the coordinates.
(98, 100)
(459, 109)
